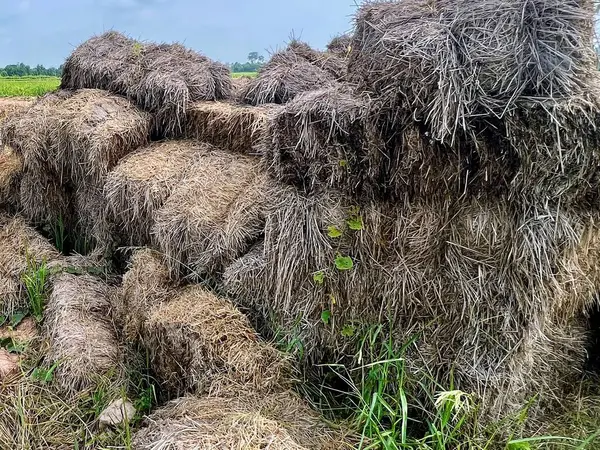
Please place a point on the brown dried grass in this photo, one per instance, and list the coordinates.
(11, 106)
(83, 341)
(11, 169)
(161, 78)
(200, 342)
(141, 183)
(237, 128)
(214, 215)
(243, 421)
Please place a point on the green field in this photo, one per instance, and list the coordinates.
(244, 74)
(27, 86)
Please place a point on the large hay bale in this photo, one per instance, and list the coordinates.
(483, 284)
(237, 128)
(451, 62)
(215, 214)
(11, 169)
(286, 75)
(83, 341)
(163, 79)
(243, 421)
(202, 343)
(143, 181)
(22, 250)
(44, 201)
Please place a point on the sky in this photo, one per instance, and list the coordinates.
(45, 32)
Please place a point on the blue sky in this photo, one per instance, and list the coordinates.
(45, 32)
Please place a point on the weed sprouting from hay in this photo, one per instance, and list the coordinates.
(36, 284)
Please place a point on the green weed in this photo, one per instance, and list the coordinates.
(36, 284)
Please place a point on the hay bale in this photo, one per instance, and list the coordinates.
(320, 139)
(83, 341)
(214, 215)
(11, 169)
(286, 75)
(146, 284)
(11, 106)
(163, 79)
(44, 201)
(452, 62)
(331, 62)
(340, 45)
(236, 128)
(202, 343)
(143, 181)
(280, 421)
(483, 283)
(21, 249)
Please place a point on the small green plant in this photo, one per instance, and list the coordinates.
(137, 49)
(44, 374)
(59, 234)
(319, 277)
(344, 263)
(326, 317)
(355, 221)
(334, 232)
(35, 281)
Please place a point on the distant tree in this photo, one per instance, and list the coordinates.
(253, 57)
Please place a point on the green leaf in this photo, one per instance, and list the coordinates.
(319, 277)
(348, 331)
(343, 263)
(15, 347)
(343, 163)
(16, 319)
(356, 223)
(326, 316)
(334, 232)
(3, 320)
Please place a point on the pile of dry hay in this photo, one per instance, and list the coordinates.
(69, 142)
(10, 106)
(22, 251)
(454, 61)
(197, 341)
(83, 341)
(11, 169)
(240, 420)
(290, 72)
(163, 79)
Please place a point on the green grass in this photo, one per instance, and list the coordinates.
(36, 285)
(244, 74)
(27, 86)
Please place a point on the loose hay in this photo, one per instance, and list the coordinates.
(340, 45)
(215, 214)
(279, 422)
(21, 249)
(83, 341)
(11, 106)
(142, 182)
(202, 343)
(228, 126)
(453, 61)
(163, 79)
(286, 75)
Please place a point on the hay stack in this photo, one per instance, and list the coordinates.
(22, 250)
(11, 169)
(331, 62)
(12, 106)
(286, 75)
(279, 422)
(162, 79)
(483, 284)
(455, 61)
(229, 126)
(215, 214)
(139, 186)
(340, 45)
(83, 341)
(202, 343)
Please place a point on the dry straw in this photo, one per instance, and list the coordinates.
(202, 343)
(237, 128)
(163, 79)
(11, 169)
(286, 75)
(214, 215)
(141, 183)
(451, 62)
(83, 342)
(483, 285)
(21, 249)
(240, 421)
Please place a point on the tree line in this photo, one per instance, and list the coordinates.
(255, 62)
(23, 70)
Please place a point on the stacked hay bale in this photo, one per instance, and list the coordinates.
(453, 206)
(68, 142)
(163, 79)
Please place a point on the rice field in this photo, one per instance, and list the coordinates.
(27, 86)
(244, 74)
